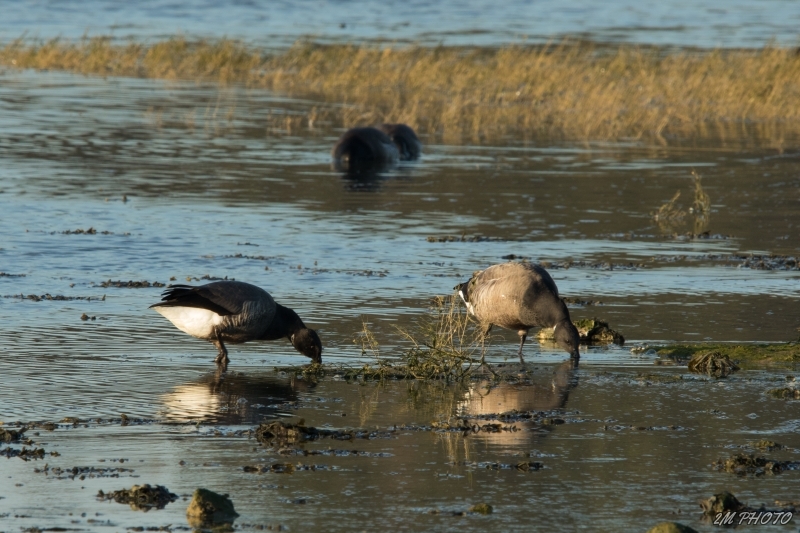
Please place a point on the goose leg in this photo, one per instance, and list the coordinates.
(521, 344)
(222, 355)
(484, 333)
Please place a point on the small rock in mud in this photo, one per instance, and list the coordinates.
(10, 435)
(721, 503)
(481, 508)
(208, 507)
(712, 363)
(590, 330)
(785, 393)
(671, 527)
(742, 464)
(141, 497)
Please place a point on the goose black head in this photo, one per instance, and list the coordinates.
(306, 341)
(566, 337)
(463, 291)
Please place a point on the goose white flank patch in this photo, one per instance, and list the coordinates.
(519, 296)
(234, 312)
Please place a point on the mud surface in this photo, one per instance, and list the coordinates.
(184, 183)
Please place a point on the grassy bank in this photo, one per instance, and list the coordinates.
(579, 91)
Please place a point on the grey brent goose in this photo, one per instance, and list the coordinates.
(376, 147)
(519, 296)
(235, 312)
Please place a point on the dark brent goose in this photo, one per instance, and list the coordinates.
(376, 147)
(519, 296)
(235, 312)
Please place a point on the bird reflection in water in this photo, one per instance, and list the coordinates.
(547, 391)
(232, 398)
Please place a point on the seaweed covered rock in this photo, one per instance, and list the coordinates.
(765, 444)
(283, 433)
(481, 508)
(141, 497)
(10, 435)
(743, 463)
(671, 527)
(785, 393)
(721, 503)
(590, 331)
(712, 363)
(208, 507)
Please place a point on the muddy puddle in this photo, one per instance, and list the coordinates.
(111, 189)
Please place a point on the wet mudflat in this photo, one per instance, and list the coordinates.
(113, 188)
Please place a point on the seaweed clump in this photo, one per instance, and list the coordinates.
(742, 464)
(141, 497)
(590, 331)
(722, 502)
(785, 393)
(10, 435)
(281, 434)
(712, 363)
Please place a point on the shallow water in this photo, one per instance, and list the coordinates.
(186, 181)
(275, 24)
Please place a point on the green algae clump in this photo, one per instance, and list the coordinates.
(743, 353)
(590, 331)
(481, 508)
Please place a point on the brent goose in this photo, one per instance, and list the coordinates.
(235, 312)
(519, 296)
(376, 148)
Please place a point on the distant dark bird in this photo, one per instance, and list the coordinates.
(376, 148)
(235, 312)
(405, 139)
(519, 296)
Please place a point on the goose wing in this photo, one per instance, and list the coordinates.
(223, 297)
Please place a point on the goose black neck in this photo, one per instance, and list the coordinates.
(285, 324)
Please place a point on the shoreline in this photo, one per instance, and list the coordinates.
(572, 90)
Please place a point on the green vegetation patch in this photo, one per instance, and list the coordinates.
(751, 353)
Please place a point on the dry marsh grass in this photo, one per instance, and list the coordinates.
(443, 344)
(571, 90)
(671, 214)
